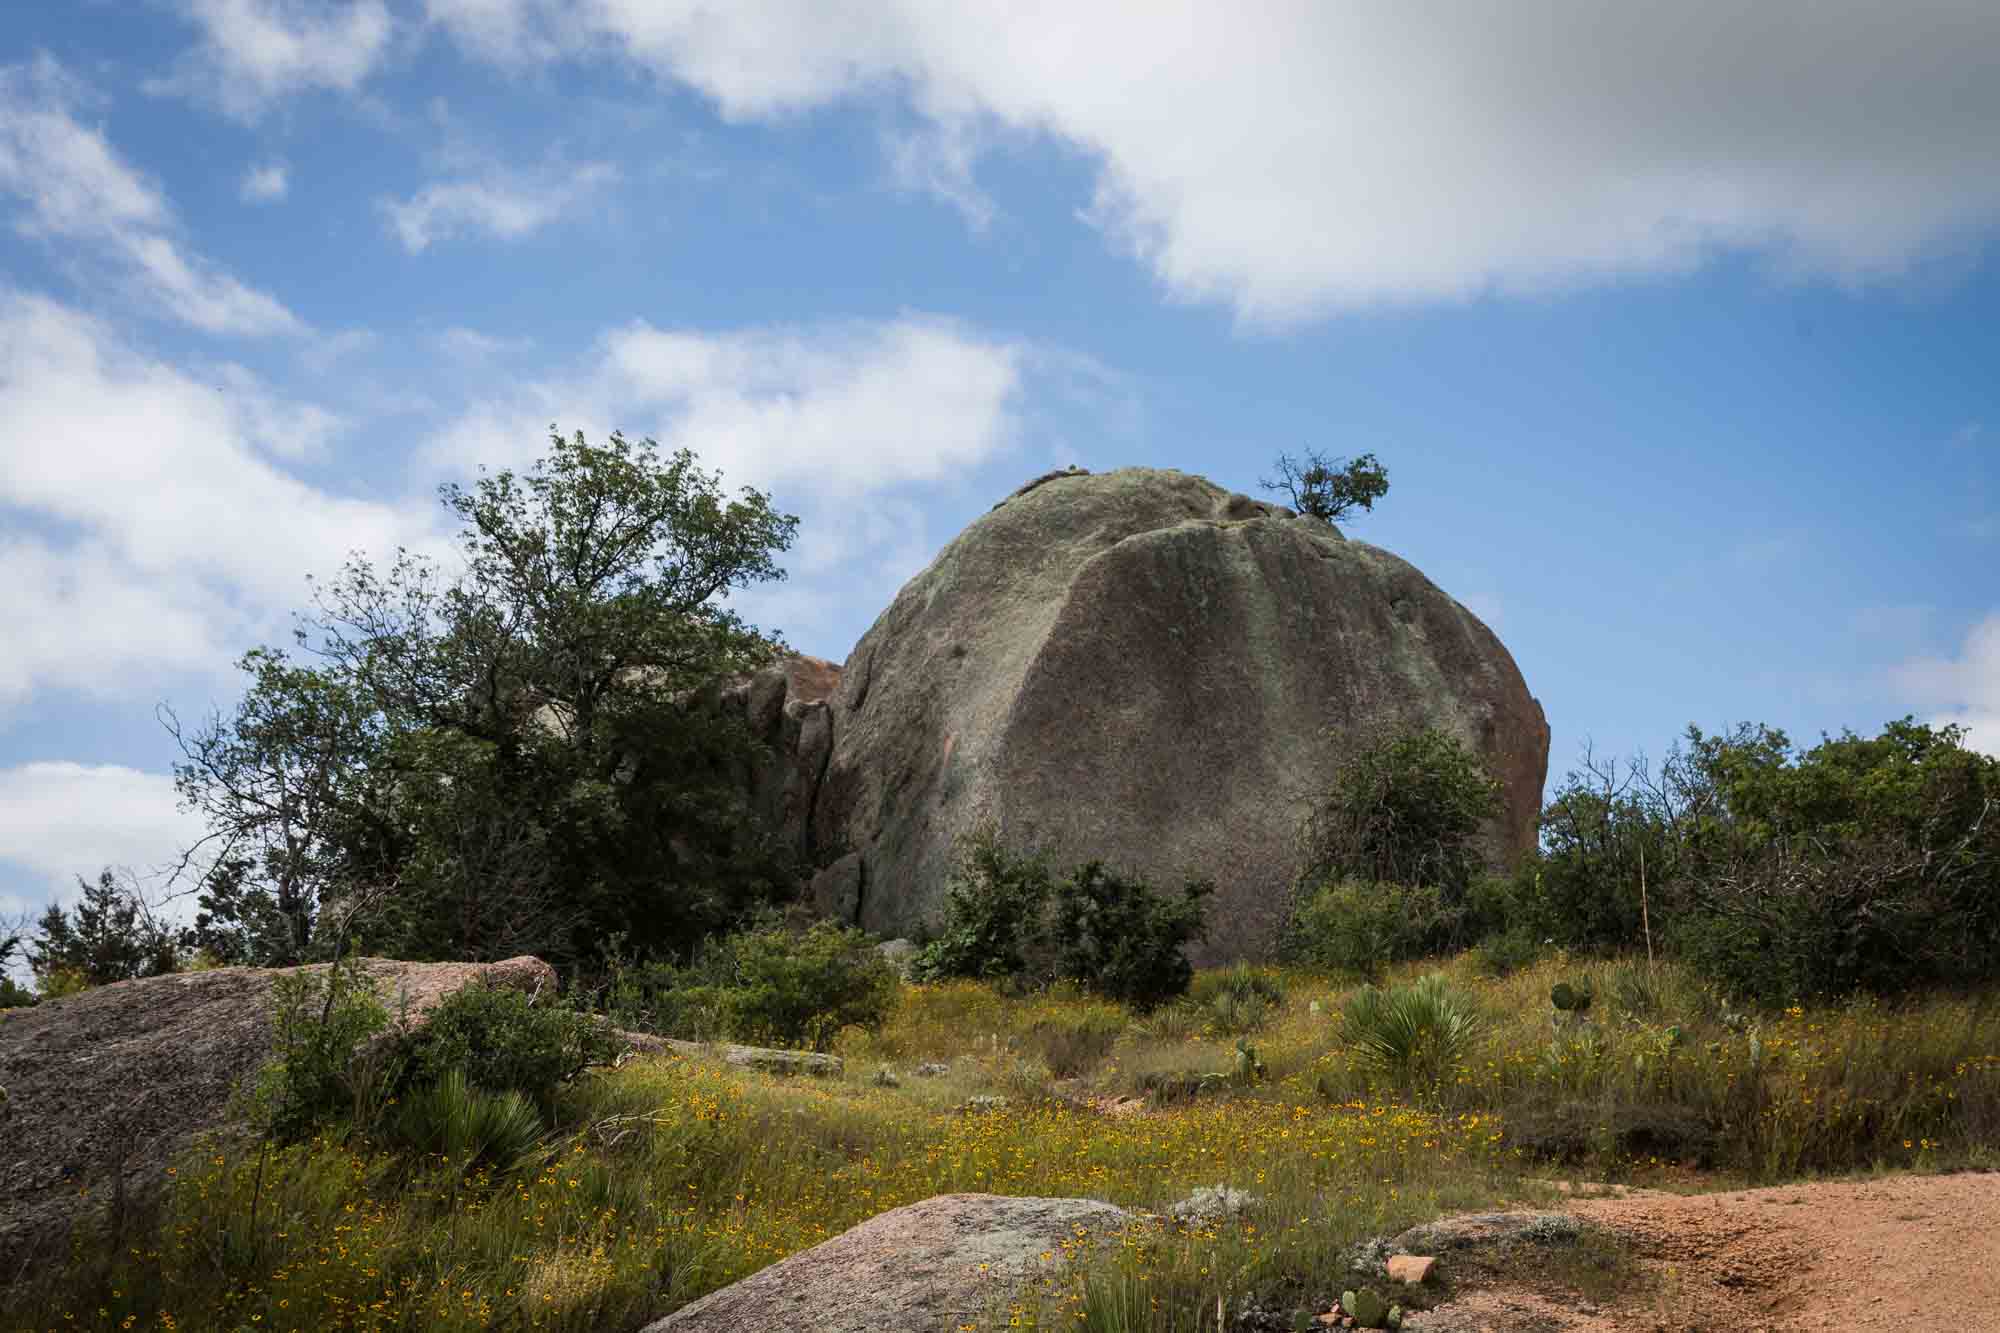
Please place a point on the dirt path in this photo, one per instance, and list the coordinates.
(1900, 1252)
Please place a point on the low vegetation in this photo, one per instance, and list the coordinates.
(1360, 1110)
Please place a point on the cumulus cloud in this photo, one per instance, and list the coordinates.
(505, 205)
(175, 538)
(59, 820)
(75, 190)
(253, 52)
(834, 420)
(265, 184)
(1314, 157)
(1965, 689)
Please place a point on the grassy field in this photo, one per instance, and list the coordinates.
(671, 1177)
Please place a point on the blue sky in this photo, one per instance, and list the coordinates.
(1678, 331)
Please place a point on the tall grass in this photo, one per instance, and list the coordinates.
(669, 1178)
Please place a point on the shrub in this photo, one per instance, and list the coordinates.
(467, 1124)
(774, 987)
(1509, 951)
(502, 1040)
(1414, 1034)
(1074, 1041)
(995, 902)
(318, 1021)
(1006, 915)
(1408, 809)
(1358, 926)
(1237, 999)
(1120, 939)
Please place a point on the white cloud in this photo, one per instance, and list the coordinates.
(1317, 157)
(1964, 690)
(832, 420)
(177, 539)
(501, 204)
(59, 820)
(78, 192)
(940, 161)
(265, 184)
(253, 52)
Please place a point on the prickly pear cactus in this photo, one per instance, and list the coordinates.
(1369, 1309)
(1570, 999)
(1395, 1319)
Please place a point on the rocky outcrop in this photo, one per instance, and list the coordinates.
(941, 1264)
(106, 1087)
(1144, 668)
(785, 707)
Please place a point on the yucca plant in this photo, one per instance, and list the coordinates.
(1414, 1034)
(467, 1124)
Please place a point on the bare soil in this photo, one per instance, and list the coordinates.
(1894, 1252)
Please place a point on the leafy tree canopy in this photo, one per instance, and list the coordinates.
(1330, 491)
(504, 760)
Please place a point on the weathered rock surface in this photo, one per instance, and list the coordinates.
(915, 1269)
(785, 707)
(1143, 668)
(763, 1058)
(119, 1079)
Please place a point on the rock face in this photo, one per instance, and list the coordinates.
(915, 1269)
(1143, 668)
(117, 1080)
(785, 707)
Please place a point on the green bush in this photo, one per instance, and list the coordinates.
(995, 904)
(319, 1019)
(466, 1124)
(1006, 915)
(1119, 938)
(503, 1040)
(1408, 809)
(1237, 999)
(772, 986)
(1362, 927)
(1074, 1041)
(1414, 1034)
(1508, 952)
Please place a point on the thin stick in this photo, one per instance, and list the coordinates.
(1645, 920)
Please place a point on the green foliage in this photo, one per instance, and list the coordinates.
(319, 1020)
(13, 995)
(466, 1124)
(1408, 810)
(1007, 916)
(995, 902)
(523, 750)
(1509, 951)
(1414, 1034)
(110, 936)
(1571, 999)
(1236, 999)
(503, 1040)
(1117, 937)
(1329, 491)
(776, 986)
(1858, 864)
(1352, 925)
(1075, 1041)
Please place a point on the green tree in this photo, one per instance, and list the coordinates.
(515, 758)
(111, 935)
(1330, 491)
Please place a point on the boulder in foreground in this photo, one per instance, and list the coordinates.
(915, 1269)
(113, 1083)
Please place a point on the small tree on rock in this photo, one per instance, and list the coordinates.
(1330, 491)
